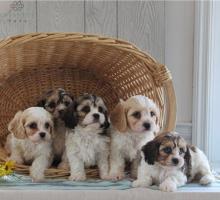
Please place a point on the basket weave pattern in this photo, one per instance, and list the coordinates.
(32, 64)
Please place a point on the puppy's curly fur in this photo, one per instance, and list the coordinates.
(135, 122)
(88, 143)
(30, 140)
(58, 103)
(169, 162)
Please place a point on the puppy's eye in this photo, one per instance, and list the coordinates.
(167, 150)
(101, 110)
(33, 125)
(52, 105)
(182, 151)
(47, 125)
(137, 115)
(152, 113)
(86, 109)
(66, 103)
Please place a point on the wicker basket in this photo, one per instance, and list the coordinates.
(32, 64)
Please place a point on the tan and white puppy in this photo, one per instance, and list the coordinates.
(135, 122)
(88, 143)
(57, 102)
(169, 162)
(30, 140)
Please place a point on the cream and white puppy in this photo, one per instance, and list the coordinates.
(167, 161)
(135, 122)
(88, 143)
(30, 140)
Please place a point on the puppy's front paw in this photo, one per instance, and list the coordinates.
(207, 179)
(117, 177)
(77, 177)
(168, 186)
(37, 178)
(140, 183)
(36, 175)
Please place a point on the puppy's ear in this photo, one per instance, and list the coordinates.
(41, 103)
(106, 123)
(187, 164)
(187, 156)
(118, 117)
(150, 151)
(52, 127)
(70, 116)
(16, 126)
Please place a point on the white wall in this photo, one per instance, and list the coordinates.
(179, 31)
(215, 107)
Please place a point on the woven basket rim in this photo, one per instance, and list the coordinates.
(40, 36)
(14, 41)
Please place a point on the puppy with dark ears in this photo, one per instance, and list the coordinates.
(88, 143)
(31, 140)
(59, 103)
(150, 152)
(168, 161)
(135, 122)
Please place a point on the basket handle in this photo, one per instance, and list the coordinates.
(170, 123)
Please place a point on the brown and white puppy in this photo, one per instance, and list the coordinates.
(169, 162)
(58, 102)
(88, 144)
(135, 122)
(30, 140)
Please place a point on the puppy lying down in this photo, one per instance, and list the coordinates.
(169, 162)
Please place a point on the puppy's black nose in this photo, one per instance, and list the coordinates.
(175, 161)
(147, 126)
(96, 116)
(42, 134)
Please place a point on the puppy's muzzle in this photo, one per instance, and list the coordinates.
(175, 161)
(42, 134)
(147, 126)
(96, 116)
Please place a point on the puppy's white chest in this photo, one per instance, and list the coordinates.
(88, 150)
(30, 151)
(131, 149)
(86, 146)
(129, 145)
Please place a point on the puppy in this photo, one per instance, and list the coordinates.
(88, 144)
(135, 122)
(30, 140)
(57, 102)
(169, 162)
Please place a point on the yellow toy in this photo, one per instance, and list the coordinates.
(7, 168)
